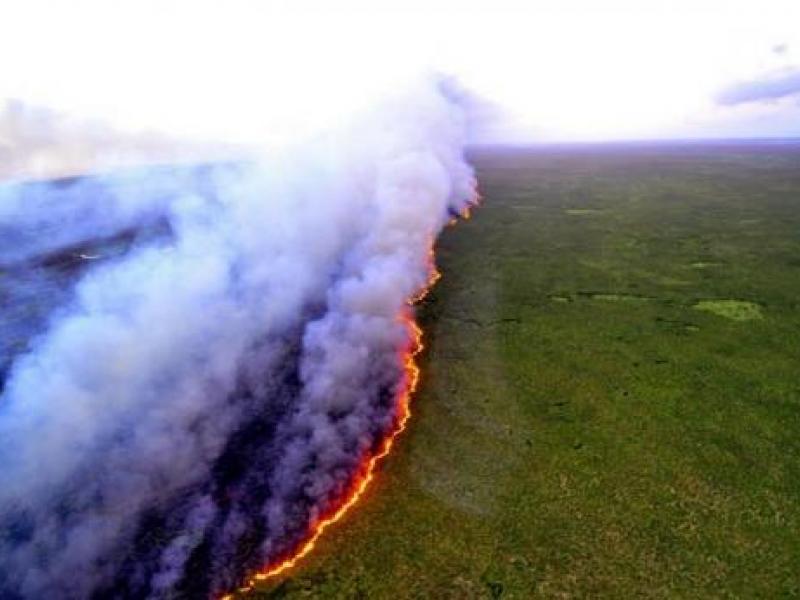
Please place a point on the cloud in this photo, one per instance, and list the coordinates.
(769, 87)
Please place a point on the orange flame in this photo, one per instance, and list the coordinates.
(466, 212)
(407, 386)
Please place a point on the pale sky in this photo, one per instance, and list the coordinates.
(242, 71)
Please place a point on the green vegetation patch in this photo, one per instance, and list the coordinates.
(582, 211)
(737, 310)
(619, 298)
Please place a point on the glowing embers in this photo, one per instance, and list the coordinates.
(365, 474)
(465, 212)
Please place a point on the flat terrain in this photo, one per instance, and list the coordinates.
(610, 399)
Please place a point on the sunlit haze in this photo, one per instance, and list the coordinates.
(535, 71)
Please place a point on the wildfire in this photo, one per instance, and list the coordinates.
(407, 387)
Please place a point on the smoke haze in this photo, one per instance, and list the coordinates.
(37, 142)
(201, 393)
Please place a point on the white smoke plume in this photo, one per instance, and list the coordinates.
(199, 399)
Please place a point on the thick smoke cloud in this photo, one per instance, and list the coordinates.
(198, 401)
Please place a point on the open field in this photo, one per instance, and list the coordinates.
(610, 399)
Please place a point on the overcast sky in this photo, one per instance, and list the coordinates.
(542, 71)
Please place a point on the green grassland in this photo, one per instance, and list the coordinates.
(610, 398)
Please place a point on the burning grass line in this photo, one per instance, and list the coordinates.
(407, 386)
